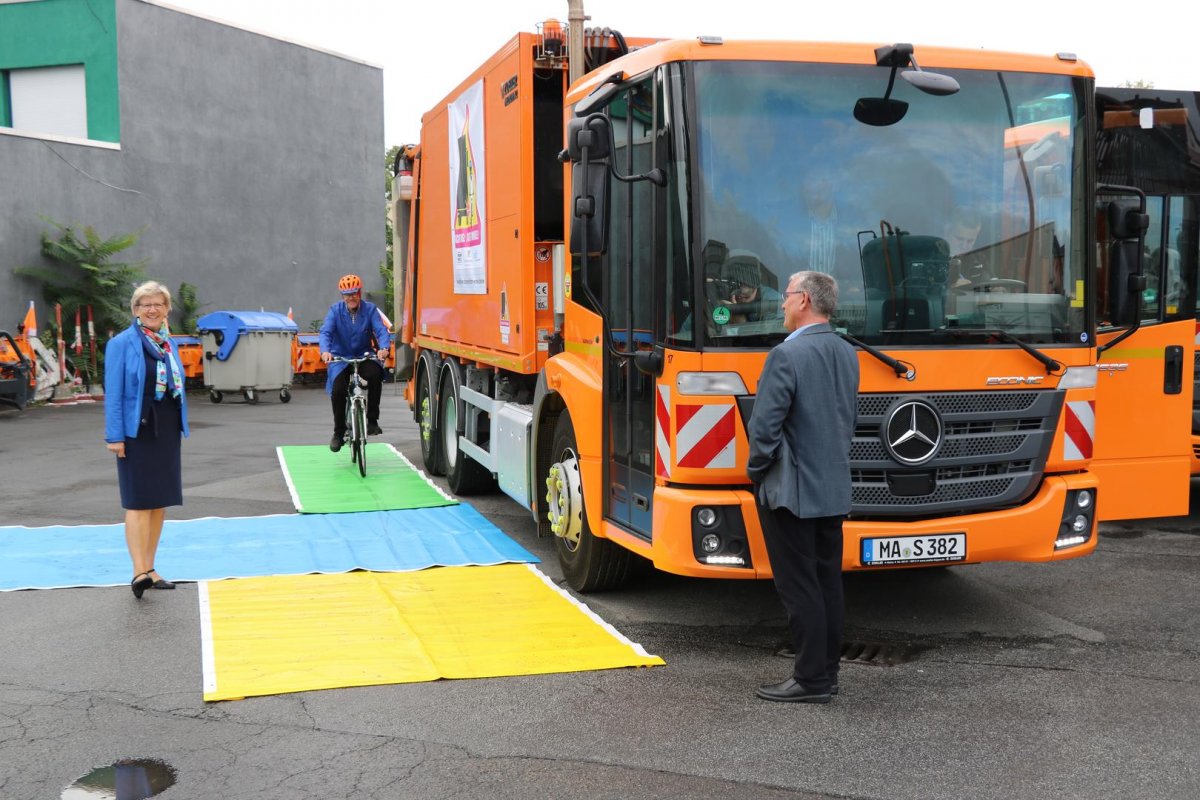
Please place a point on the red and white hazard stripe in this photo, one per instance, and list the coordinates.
(704, 435)
(1080, 430)
(662, 429)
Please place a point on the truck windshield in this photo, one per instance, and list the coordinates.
(965, 214)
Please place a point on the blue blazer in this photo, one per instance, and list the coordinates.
(349, 339)
(803, 423)
(124, 377)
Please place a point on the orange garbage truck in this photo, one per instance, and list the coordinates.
(576, 252)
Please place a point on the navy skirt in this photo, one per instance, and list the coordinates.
(150, 474)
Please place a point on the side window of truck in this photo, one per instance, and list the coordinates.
(630, 292)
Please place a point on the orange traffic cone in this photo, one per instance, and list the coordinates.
(30, 323)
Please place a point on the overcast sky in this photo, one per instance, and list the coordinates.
(426, 48)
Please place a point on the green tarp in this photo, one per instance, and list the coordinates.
(324, 482)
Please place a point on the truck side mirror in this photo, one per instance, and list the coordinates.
(589, 141)
(1127, 224)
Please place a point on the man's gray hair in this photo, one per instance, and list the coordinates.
(822, 290)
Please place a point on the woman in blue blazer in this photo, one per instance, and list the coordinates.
(145, 413)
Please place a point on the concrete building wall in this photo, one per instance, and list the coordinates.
(254, 166)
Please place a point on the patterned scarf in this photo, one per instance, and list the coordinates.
(158, 345)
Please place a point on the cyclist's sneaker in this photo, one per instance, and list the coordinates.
(373, 429)
(335, 443)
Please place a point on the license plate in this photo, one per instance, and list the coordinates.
(929, 549)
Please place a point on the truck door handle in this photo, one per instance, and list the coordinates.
(1173, 370)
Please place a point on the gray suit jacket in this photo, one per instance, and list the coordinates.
(802, 425)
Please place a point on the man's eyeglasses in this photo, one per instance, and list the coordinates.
(159, 306)
(790, 293)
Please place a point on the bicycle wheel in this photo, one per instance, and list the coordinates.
(360, 436)
(351, 435)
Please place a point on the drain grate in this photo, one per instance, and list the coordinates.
(878, 653)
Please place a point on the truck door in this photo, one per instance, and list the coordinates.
(1144, 386)
(631, 293)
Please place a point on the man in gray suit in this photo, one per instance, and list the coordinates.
(800, 434)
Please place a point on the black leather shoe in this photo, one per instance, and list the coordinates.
(791, 692)
(160, 582)
(373, 429)
(335, 443)
(140, 583)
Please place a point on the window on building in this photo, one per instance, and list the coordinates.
(49, 100)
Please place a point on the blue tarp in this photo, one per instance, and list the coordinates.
(213, 548)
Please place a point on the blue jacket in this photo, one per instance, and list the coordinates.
(124, 377)
(349, 339)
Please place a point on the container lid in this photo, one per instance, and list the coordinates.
(243, 321)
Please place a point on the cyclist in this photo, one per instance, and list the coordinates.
(352, 327)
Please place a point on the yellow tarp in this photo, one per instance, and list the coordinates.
(303, 632)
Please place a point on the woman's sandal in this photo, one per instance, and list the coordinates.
(140, 583)
(161, 583)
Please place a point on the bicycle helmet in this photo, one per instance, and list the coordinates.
(350, 284)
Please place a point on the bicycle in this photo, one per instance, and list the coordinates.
(356, 413)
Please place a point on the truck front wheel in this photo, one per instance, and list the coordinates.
(589, 564)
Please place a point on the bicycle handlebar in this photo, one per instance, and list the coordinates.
(359, 360)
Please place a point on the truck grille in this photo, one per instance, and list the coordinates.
(992, 453)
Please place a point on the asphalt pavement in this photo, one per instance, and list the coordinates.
(1079, 679)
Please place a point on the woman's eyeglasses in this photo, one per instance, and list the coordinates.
(159, 306)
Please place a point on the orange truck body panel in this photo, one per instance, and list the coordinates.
(500, 327)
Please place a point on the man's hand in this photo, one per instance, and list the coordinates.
(382, 355)
(116, 447)
(326, 357)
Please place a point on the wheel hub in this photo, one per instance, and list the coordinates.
(450, 430)
(564, 500)
(426, 422)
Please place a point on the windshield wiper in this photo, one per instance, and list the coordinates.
(901, 368)
(1050, 364)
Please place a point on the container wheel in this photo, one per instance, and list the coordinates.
(215, 396)
(589, 564)
(464, 474)
(251, 396)
(285, 395)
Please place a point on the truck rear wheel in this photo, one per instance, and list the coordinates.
(589, 564)
(431, 451)
(464, 474)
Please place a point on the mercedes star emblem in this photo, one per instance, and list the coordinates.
(912, 432)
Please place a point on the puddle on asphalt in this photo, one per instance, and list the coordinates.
(127, 779)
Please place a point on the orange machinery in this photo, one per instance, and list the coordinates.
(191, 357)
(306, 357)
(572, 346)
